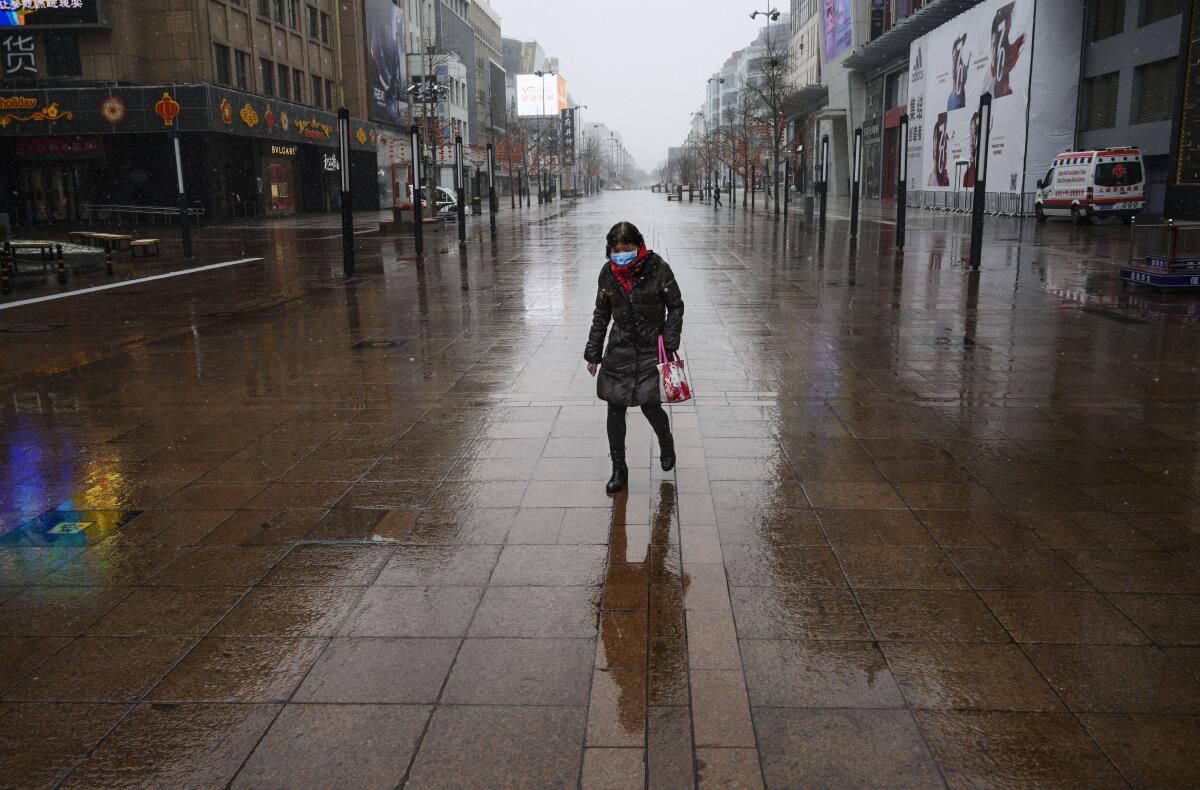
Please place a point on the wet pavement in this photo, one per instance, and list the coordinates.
(260, 526)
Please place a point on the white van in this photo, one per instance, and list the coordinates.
(446, 202)
(1086, 184)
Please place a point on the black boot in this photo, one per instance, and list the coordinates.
(620, 475)
(666, 451)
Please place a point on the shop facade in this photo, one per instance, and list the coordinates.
(65, 150)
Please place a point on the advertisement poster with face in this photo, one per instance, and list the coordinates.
(839, 28)
(385, 62)
(982, 50)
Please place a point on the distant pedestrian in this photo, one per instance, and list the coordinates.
(716, 197)
(638, 293)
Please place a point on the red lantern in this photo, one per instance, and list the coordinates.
(167, 109)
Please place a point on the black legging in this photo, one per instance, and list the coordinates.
(655, 414)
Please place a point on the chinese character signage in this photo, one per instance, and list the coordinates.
(17, 51)
(53, 13)
(568, 134)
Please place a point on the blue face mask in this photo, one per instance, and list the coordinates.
(623, 259)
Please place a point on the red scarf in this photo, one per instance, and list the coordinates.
(627, 275)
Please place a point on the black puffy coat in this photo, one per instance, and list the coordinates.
(629, 365)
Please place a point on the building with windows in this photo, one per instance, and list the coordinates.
(489, 72)
(1129, 93)
(92, 100)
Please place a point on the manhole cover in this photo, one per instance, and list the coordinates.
(28, 328)
(365, 344)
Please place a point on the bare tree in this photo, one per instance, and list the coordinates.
(660, 172)
(592, 157)
(772, 98)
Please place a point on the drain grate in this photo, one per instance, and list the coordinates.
(1109, 315)
(367, 344)
(22, 329)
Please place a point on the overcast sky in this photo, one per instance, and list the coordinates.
(639, 65)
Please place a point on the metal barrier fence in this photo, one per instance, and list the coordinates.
(115, 213)
(1005, 204)
(1168, 242)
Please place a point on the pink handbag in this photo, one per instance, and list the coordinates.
(672, 382)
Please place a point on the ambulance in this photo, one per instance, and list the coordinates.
(1109, 182)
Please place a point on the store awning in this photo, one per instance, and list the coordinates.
(809, 98)
(893, 45)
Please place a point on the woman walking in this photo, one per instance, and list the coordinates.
(638, 292)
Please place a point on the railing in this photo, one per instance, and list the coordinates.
(1166, 246)
(102, 213)
(1004, 204)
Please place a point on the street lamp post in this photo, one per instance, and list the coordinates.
(772, 15)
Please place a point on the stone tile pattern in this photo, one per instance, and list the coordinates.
(910, 541)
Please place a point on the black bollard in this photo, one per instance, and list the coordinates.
(185, 228)
(787, 184)
(62, 265)
(460, 188)
(418, 215)
(824, 178)
(5, 263)
(902, 186)
(855, 177)
(493, 206)
(982, 134)
(347, 210)
(108, 267)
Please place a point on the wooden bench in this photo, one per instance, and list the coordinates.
(80, 236)
(110, 241)
(46, 248)
(45, 251)
(144, 245)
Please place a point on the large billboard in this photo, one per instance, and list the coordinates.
(540, 96)
(53, 13)
(386, 99)
(985, 50)
(839, 28)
